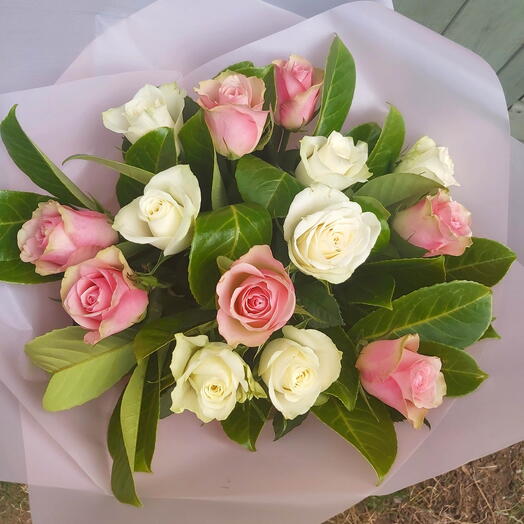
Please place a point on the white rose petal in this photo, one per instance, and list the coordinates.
(425, 158)
(152, 107)
(328, 236)
(165, 215)
(297, 368)
(334, 161)
(210, 378)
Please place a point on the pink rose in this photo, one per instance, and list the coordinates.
(396, 374)
(59, 236)
(436, 223)
(255, 298)
(101, 296)
(232, 105)
(298, 86)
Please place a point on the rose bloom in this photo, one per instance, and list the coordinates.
(298, 86)
(232, 105)
(210, 378)
(297, 368)
(436, 223)
(255, 298)
(396, 374)
(165, 215)
(58, 236)
(100, 295)
(151, 107)
(426, 159)
(334, 161)
(328, 236)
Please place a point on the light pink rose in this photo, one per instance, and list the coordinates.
(255, 298)
(100, 295)
(59, 236)
(436, 223)
(396, 374)
(298, 86)
(232, 105)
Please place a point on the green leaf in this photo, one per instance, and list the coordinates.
(218, 189)
(388, 146)
(320, 305)
(154, 152)
(81, 372)
(16, 207)
(246, 421)
(37, 166)
(491, 332)
(337, 90)
(374, 206)
(166, 402)
(365, 288)
(18, 272)
(370, 432)
(460, 370)
(453, 313)
(485, 261)
(282, 426)
(267, 185)
(410, 274)
(368, 133)
(394, 189)
(230, 231)
(122, 483)
(155, 335)
(190, 108)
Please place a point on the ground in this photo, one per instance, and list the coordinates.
(489, 490)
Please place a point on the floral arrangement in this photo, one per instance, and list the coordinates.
(264, 264)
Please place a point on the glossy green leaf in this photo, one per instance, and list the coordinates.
(453, 313)
(282, 426)
(230, 231)
(485, 261)
(262, 183)
(394, 189)
(37, 166)
(155, 335)
(368, 133)
(372, 205)
(18, 272)
(16, 207)
(81, 372)
(389, 144)
(337, 90)
(460, 370)
(366, 288)
(371, 432)
(246, 421)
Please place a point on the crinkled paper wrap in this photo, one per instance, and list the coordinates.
(441, 89)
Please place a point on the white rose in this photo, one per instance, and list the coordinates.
(165, 215)
(328, 236)
(426, 159)
(297, 368)
(152, 107)
(210, 378)
(334, 161)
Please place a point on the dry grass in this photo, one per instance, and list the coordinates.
(489, 490)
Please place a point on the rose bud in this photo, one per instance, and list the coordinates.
(298, 86)
(436, 223)
(58, 236)
(396, 374)
(100, 295)
(255, 298)
(232, 105)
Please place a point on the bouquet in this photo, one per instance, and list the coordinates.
(265, 264)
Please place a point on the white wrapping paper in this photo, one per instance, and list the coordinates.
(442, 90)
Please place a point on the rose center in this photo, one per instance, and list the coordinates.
(298, 379)
(214, 390)
(422, 377)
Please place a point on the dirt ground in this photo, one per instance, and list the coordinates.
(489, 490)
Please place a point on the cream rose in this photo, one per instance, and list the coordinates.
(164, 216)
(210, 378)
(334, 161)
(152, 107)
(297, 368)
(426, 159)
(328, 236)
